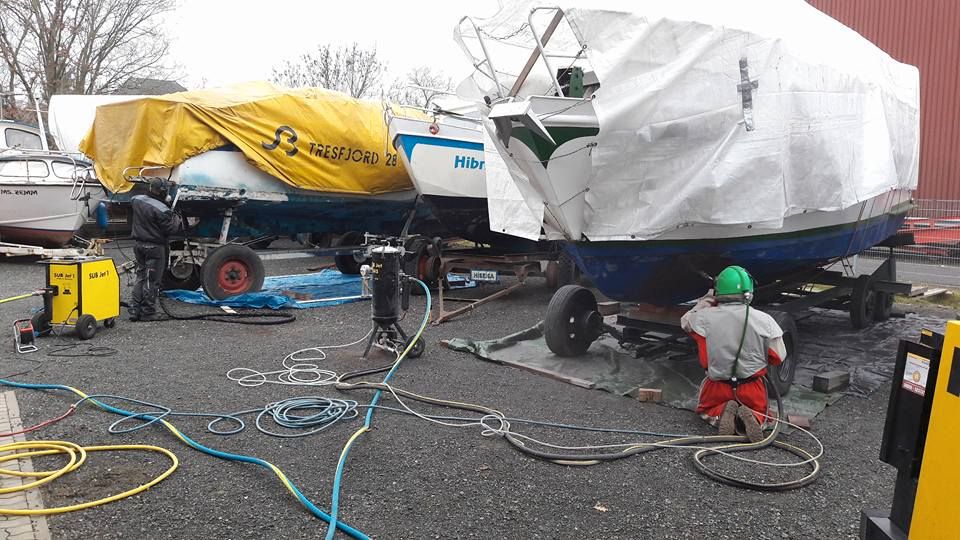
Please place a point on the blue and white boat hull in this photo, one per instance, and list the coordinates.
(446, 165)
(671, 270)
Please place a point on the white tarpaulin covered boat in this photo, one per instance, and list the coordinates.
(652, 132)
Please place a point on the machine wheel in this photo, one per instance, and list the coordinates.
(782, 376)
(184, 276)
(41, 323)
(572, 322)
(350, 264)
(862, 303)
(110, 323)
(231, 270)
(417, 349)
(884, 306)
(86, 326)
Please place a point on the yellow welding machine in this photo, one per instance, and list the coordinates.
(82, 292)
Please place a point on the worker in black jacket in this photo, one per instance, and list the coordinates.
(153, 225)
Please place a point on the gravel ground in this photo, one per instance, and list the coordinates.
(406, 478)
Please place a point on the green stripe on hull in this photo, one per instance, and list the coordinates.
(542, 148)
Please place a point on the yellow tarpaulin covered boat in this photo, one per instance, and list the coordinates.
(309, 138)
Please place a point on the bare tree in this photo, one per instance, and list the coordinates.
(419, 86)
(350, 69)
(80, 46)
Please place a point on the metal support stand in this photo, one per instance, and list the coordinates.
(225, 227)
(442, 315)
(384, 335)
(522, 266)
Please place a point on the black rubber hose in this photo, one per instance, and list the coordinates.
(255, 319)
(738, 443)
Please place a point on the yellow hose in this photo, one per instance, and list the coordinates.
(21, 297)
(77, 455)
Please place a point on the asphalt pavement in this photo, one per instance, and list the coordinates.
(406, 478)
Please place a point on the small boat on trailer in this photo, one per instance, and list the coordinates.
(670, 143)
(45, 197)
(237, 207)
(253, 162)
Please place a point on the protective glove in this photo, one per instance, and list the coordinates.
(192, 221)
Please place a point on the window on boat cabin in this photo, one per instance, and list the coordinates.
(22, 168)
(23, 140)
(66, 170)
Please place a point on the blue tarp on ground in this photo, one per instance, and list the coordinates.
(294, 291)
(299, 291)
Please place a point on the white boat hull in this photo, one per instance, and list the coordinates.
(41, 214)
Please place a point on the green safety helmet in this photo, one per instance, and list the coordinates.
(733, 281)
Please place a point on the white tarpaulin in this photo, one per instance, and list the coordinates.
(727, 111)
(71, 116)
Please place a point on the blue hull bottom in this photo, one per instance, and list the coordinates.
(303, 214)
(666, 272)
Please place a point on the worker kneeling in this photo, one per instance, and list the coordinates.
(735, 343)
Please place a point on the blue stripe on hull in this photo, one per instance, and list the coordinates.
(409, 142)
(668, 272)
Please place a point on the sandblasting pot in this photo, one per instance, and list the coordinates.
(385, 266)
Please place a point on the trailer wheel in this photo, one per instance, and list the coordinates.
(184, 276)
(417, 262)
(884, 306)
(351, 263)
(40, 322)
(86, 326)
(231, 270)
(782, 376)
(567, 271)
(572, 322)
(862, 303)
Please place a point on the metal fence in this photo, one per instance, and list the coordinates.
(935, 225)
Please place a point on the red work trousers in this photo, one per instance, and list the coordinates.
(714, 395)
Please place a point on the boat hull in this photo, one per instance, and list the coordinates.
(210, 184)
(40, 214)
(667, 272)
(447, 169)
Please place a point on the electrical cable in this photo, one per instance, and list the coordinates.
(310, 506)
(77, 455)
(60, 347)
(368, 420)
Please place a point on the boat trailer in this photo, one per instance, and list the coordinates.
(574, 319)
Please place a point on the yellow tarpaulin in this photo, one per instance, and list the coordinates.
(309, 138)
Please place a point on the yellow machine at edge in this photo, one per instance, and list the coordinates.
(82, 292)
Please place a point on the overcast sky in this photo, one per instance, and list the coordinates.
(227, 41)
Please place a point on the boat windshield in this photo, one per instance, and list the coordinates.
(28, 169)
(67, 171)
(22, 139)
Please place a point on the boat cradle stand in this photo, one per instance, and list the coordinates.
(478, 265)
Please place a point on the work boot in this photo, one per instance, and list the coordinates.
(750, 424)
(728, 419)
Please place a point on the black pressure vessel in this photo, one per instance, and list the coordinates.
(385, 267)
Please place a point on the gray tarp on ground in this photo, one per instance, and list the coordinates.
(827, 343)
